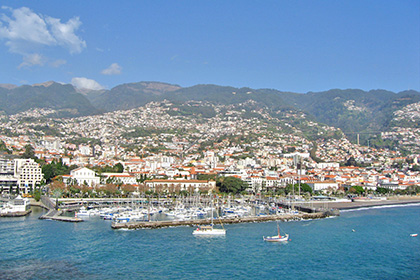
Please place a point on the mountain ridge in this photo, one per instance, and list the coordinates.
(348, 109)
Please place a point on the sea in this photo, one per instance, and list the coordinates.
(370, 243)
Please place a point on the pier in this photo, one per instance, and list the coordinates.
(55, 214)
(248, 219)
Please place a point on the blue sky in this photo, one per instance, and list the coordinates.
(297, 46)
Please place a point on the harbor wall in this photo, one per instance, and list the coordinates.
(256, 219)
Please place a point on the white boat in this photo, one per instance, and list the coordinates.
(83, 212)
(413, 234)
(209, 229)
(278, 237)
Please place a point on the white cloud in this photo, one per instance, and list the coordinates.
(64, 33)
(113, 69)
(85, 83)
(24, 30)
(58, 63)
(31, 60)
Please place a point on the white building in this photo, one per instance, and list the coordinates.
(19, 175)
(28, 173)
(323, 165)
(180, 185)
(83, 175)
(323, 185)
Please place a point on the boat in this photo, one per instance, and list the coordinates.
(209, 229)
(278, 237)
(83, 212)
(413, 234)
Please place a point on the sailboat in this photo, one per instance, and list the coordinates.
(278, 237)
(209, 229)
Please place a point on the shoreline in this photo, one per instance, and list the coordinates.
(366, 204)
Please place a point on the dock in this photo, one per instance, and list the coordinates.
(249, 219)
(55, 214)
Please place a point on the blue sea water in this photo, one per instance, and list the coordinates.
(380, 247)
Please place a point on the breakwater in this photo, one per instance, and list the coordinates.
(249, 219)
(16, 214)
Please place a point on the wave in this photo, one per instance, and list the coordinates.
(380, 206)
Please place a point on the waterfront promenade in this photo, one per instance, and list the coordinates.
(343, 205)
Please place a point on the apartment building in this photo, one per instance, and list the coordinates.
(19, 175)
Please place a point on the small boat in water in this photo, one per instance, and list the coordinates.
(278, 237)
(413, 234)
(209, 229)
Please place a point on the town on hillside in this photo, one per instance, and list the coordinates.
(154, 149)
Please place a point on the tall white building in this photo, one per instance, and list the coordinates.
(19, 175)
(28, 173)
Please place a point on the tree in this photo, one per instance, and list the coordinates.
(37, 195)
(306, 188)
(29, 152)
(56, 168)
(206, 177)
(57, 189)
(231, 185)
(110, 189)
(4, 148)
(382, 190)
(357, 190)
(119, 168)
(74, 190)
(128, 189)
(351, 162)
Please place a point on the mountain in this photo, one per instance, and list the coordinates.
(8, 86)
(128, 96)
(62, 98)
(352, 110)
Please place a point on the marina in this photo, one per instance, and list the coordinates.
(320, 249)
(143, 213)
(191, 211)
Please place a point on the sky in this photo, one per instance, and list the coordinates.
(296, 46)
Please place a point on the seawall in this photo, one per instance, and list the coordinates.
(257, 219)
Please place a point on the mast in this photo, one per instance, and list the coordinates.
(212, 210)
